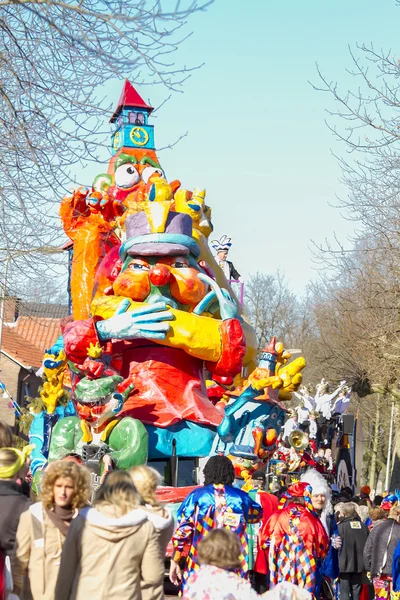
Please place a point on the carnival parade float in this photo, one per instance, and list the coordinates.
(157, 358)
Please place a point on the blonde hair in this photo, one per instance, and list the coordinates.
(394, 512)
(146, 481)
(119, 492)
(376, 513)
(220, 548)
(62, 468)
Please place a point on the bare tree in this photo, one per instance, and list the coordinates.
(55, 58)
(273, 309)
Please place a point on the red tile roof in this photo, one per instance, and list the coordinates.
(28, 338)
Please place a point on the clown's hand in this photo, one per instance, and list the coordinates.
(227, 305)
(149, 322)
(291, 378)
(287, 379)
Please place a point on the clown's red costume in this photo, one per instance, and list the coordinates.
(297, 540)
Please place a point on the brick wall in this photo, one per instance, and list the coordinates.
(19, 382)
(11, 309)
(9, 375)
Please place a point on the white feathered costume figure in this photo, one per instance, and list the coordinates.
(320, 486)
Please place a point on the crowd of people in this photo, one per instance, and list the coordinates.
(299, 542)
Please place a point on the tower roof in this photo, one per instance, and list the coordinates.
(129, 97)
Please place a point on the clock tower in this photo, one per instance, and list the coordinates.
(131, 128)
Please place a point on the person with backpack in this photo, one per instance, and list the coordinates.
(42, 529)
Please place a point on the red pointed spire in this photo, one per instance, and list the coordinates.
(271, 346)
(130, 97)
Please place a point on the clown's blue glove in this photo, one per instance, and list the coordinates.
(227, 305)
(148, 322)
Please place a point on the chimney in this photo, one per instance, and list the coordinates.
(11, 309)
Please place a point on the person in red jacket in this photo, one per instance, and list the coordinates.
(296, 538)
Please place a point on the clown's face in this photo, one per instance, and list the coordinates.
(146, 279)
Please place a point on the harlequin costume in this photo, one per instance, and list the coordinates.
(212, 507)
(297, 540)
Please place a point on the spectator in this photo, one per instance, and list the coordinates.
(220, 556)
(146, 480)
(6, 436)
(13, 465)
(43, 528)
(111, 549)
(377, 500)
(363, 510)
(365, 494)
(353, 534)
(379, 550)
(297, 540)
(215, 505)
(376, 515)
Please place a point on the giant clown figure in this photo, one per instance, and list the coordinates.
(153, 320)
(158, 336)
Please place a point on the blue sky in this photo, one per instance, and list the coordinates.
(256, 139)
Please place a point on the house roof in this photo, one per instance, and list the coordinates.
(130, 97)
(26, 340)
(36, 309)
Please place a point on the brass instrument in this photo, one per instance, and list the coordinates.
(298, 440)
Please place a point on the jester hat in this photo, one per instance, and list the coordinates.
(297, 490)
(389, 501)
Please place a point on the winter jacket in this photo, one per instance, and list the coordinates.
(106, 556)
(164, 526)
(377, 542)
(12, 504)
(37, 553)
(354, 536)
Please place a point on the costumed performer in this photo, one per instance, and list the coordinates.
(290, 425)
(297, 540)
(222, 247)
(215, 505)
(321, 497)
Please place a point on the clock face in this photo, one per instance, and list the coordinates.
(117, 140)
(139, 136)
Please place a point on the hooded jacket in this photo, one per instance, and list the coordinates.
(164, 526)
(37, 553)
(106, 556)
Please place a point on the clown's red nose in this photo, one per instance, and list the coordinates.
(159, 275)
